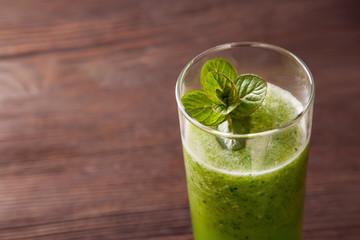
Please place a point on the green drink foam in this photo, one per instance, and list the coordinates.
(261, 154)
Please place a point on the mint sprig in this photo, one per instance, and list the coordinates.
(227, 100)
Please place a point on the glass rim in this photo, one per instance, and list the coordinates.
(247, 135)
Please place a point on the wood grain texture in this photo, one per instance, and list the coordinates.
(90, 146)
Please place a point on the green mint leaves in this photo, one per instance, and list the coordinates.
(219, 66)
(225, 94)
(226, 101)
(252, 91)
(198, 105)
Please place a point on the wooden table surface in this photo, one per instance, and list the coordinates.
(90, 144)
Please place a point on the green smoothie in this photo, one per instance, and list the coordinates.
(256, 192)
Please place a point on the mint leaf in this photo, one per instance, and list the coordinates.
(229, 98)
(234, 126)
(198, 105)
(226, 102)
(218, 86)
(252, 91)
(218, 65)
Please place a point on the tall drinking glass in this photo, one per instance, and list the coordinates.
(257, 191)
